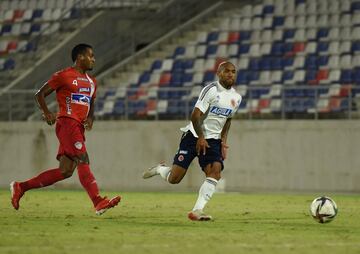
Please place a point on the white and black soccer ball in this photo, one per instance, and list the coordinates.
(323, 209)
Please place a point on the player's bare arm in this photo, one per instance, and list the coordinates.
(88, 123)
(196, 119)
(40, 95)
(224, 134)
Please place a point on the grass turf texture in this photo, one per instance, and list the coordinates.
(52, 221)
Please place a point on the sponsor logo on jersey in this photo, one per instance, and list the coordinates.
(220, 111)
(84, 89)
(82, 79)
(183, 152)
(82, 99)
(68, 105)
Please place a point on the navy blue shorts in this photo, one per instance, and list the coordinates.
(187, 152)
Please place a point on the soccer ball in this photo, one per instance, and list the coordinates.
(323, 209)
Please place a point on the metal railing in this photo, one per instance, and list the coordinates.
(158, 103)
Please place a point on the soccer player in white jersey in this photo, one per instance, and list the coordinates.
(205, 137)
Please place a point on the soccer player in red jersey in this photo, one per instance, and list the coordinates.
(75, 94)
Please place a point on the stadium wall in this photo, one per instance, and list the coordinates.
(263, 156)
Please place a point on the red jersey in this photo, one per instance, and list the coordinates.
(74, 92)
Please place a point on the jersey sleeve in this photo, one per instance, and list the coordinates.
(205, 98)
(55, 81)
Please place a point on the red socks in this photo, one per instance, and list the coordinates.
(45, 178)
(88, 181)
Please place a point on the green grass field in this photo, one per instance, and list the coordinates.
(63, 222)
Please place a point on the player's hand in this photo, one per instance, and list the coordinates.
(88, 123)
(224, 148)
(49, 118)
(201, 146)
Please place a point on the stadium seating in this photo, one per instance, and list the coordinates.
(293, 56)
(22, 20)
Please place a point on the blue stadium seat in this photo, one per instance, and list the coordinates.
(177, 65)
(310, 76)
(163, 94)
(144, 77)
(287, 61)
(322, 47)
(244, 48)
(6, 29)
(209, 76)
(253, 76)
(299, 93)
(212, 36)
(245, 35)
(311, 62)
(188, 64)
(156, 65)
(211, 50)
(179, 51)
(276, 63)
(346, 77)
(187, 77)
(288, 34)
(322, 33)
(254, 64)
(35, 28)
(356, 76)
(176, 79)
(268, 9)
(288, 47)
(119, 107)
(277, 49)
(355, 7)
(287, 75)
(355, 47)
(265, 63)
(242, 78)
(322, 61)
(9, 64)
(278, 21)
(37, 14)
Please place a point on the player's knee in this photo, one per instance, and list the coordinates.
(83, 159)
(174, 179)
(214, 171)
(67, 172)
(215, 175)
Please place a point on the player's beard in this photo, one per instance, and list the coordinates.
(228, 83)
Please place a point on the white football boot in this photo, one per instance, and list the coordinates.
(153, 171)
(199, 215)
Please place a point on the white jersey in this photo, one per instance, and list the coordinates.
(218, 104)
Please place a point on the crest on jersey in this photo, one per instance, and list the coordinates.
(75, 82)
(78, 145)
(181, 158)
(233, 103)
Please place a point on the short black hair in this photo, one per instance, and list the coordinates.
(78, 50)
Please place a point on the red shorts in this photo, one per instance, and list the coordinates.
(70, 134)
